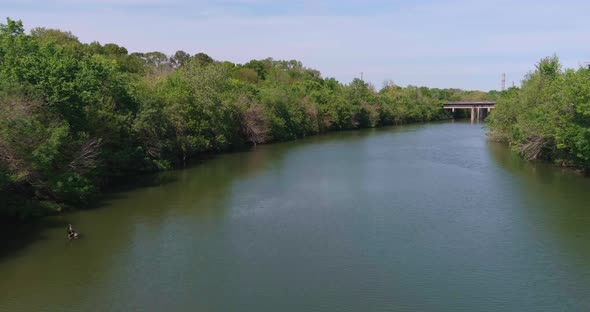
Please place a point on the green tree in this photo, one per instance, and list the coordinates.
(180, 58)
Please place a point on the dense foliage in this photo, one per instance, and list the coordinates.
(547, 118)
(73, 116)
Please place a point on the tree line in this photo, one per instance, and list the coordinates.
(75, 116)
(548, 117)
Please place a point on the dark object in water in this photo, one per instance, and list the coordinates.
(72, 234)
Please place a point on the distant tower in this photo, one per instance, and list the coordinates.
(503, 81)
(513, 84)
(362, 76)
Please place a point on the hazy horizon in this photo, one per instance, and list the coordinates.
(450, 44)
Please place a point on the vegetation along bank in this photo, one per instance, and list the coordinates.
(75, 116)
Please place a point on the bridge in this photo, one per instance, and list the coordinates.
(479, 109)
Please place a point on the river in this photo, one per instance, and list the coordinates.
(429, 217)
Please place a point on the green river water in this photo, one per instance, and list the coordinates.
(428, 217)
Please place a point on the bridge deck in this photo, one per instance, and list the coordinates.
(468, 104)
(472, 102)
(479, 109)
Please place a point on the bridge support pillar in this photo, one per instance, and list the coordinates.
(472, 114)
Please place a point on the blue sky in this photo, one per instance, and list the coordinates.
(462, 44)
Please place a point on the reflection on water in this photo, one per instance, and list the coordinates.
(416, 218)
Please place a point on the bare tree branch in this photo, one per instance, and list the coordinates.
(86, 157)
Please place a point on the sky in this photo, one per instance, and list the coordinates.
(459, 44)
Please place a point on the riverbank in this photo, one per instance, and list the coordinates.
(23, 208)
(95, 113)
(341, 222)
(547, 119)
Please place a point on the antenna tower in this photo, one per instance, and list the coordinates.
(503, 81)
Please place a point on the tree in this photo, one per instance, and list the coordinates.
(111, 49)
(202, 59)
(548, 117)
(549, 67)
(180, 58)
(74, 116)
(12, 28)
(64, 39)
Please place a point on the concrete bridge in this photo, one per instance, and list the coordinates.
(479, 109)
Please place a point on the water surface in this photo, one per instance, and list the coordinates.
(416, 218)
